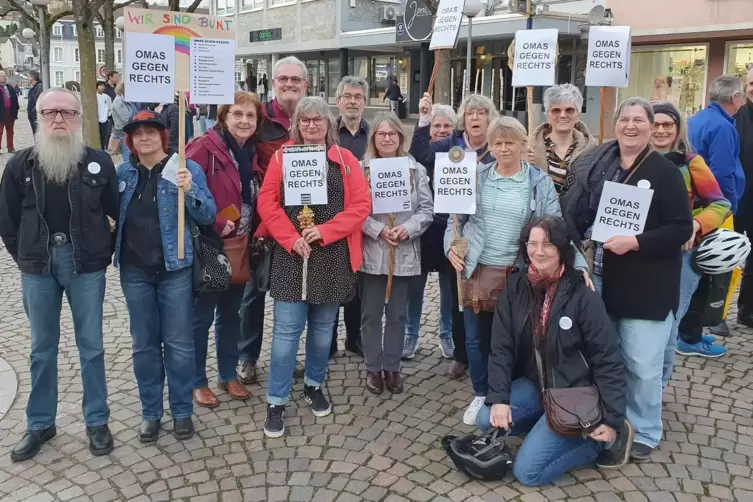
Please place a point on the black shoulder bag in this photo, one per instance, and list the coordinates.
(211, 267)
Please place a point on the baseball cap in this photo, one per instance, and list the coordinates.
(145, 117)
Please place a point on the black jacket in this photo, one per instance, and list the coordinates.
(585, 354)
(744, 123)
(13, 103)
(31, 103)
(643, 284)
(92, 197)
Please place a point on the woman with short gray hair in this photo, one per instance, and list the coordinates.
(325, 240)
(638, 275)
(563, 138)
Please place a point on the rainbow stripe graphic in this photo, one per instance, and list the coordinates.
(182, 37)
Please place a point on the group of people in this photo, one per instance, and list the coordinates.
(541, 306)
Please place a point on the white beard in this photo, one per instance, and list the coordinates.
(59, 157)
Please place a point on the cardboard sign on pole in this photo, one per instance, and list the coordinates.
(305, 174)
(622, 210)
(390, 185)
(447, 24)
(535, 60)
(455, 182)
(150, 68)
(608, 56)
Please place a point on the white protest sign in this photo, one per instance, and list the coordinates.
(150, 68)
(622, 211)
(447, 24)
(390, 185)
(212, 71)
(455, 182)
(535, 58)
(305, 174)
(608, 56)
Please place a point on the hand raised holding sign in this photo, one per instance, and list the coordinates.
(424, 108)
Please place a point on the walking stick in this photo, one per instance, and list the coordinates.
(391, 272)
(459, 246)
(306, 220)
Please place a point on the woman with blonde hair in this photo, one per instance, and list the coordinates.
(511, 192)
(391, 258)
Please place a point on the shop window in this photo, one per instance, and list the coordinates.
(334, 78)
(673, 73)
(740, 59)
(382, 73)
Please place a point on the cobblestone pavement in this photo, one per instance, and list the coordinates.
(371, 448)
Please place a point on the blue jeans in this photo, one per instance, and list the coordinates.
(203, 124)
(544, 456)
(222, 308)
(598, 283)
(159, 311)
(478, 332)
(416, 305)
(124, 151)
(210, 123)
(289, 320)
(642, 344)
(42, 299)
(252, 323)
(689, 279)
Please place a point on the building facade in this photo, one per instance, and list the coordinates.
(65, 65)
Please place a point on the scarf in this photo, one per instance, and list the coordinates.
(544, 289)
(243, 158)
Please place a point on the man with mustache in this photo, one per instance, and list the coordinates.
(58, 202)
(289, 81)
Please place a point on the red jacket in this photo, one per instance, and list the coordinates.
(347, 224)
(273, 133)
(223, 180)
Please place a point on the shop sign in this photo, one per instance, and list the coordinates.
(447, 24)
(265, 35)
(415, 24)
(608, 56)
(535, 58)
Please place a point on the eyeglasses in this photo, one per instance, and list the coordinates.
(480, 113)
(51, 114)
(250, 116)
(536, 246)
(352, 97)
(667, 126)
(293, 80)
(384, 134)
(305, 121)
(570, 111)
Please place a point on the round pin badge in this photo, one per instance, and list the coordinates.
(644, 184)
(121, 186)
(93, 168)
(566, 322)
(456, 154)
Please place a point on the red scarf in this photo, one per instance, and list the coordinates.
(549, 284)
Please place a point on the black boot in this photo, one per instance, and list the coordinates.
(31, 443)
(149, 431)
(183, 428)
(100, 440)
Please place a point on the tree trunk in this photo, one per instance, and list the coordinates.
(108, 25)
(86, 48)
(442, 84)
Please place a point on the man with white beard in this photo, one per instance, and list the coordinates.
(55, 200)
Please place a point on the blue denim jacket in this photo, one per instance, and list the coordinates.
(199, 205)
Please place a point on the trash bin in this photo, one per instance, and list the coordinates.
(402, 109)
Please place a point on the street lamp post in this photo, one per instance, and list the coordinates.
(471, 9)
(44, 44)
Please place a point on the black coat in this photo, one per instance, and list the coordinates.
(31, 103)
(585, 354)
(92, 197)
(744, 123)
(643, 284)
(13, 104)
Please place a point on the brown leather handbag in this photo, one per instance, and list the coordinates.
(236, 249)
(482, 290)
(575, 411)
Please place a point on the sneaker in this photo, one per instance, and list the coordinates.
(274, 426)
(247, 372)
(447, 347)
(410, 346)
(315, 397)
(641, 452)
(708, 338)
(702, 349)
(469, 417)
(619, 453)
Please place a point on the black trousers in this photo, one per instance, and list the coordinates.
(104, 134)
(706, 307)
(458, 328)
(745, 297)
(352, 324)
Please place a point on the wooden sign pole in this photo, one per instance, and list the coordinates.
(529, 96)
(602, 112)
(181, 168)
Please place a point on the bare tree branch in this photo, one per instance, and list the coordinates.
(100, 18)
(96, 5)
(63, 13)
(123, 5)
(13, 6)
(194, 6)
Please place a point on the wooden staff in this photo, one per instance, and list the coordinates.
(602, 112)
(459, 246)
(529, 97)
(181, 168)
(434, 70)
(306, 220)
(391, 272)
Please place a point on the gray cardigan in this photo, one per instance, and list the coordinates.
(121, 114)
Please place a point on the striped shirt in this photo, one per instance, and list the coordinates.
(504, 202)
(559, 169)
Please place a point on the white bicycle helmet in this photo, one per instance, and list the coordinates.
(721, 251)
